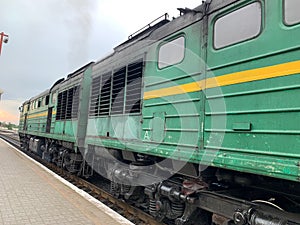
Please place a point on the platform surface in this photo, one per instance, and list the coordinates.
(31, 195)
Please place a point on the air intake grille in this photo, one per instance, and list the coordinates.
(95, 96)
(100, 95)
(105, 94)
(134, 84)
(117, 93)
(68, 104)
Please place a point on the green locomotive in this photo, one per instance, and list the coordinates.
(194, 119)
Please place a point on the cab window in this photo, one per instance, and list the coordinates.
(238, 26)
(171, 53)
(291, 12)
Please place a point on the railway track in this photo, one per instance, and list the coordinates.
(135, 215)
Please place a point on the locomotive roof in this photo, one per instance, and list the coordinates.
(44, 93)
(70, 77)
(217, 4)
(80, 70)
(149, 36)
(165, 28)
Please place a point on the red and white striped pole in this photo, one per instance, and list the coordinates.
(3, 38)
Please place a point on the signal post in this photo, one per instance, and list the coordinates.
(3, 38)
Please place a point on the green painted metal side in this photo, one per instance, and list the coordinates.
(250, 127)
(114, 130)
(36, 121)
(64, 130)
(262, 126)
(21, 122)
(168, 126)
(81, 127)
(172, 124)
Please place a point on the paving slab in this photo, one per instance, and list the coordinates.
(31, 194)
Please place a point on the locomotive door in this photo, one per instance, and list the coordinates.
(25, 122)
(49, 120)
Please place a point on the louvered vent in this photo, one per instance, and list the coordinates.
(58, 108)
(105, 94)
(95, 96)
(75, 103)
(63, 105)
(134, 85)
(118, 91)
(68, 104)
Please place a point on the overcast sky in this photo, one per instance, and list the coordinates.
(49, 39)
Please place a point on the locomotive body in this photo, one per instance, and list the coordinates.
(53, 120)
(187, 116)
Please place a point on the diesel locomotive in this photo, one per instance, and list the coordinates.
(195, 119)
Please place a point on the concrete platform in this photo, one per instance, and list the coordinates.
(31, 194)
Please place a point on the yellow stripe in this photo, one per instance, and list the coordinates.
(279, 70)
(37, 115)
(40, 115)
(191, 87)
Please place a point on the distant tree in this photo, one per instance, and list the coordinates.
(10, 126)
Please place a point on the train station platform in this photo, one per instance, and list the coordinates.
(31, 194)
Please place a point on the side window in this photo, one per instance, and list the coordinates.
(171, 52)
(291, 12)
(39, 103)
(237, 26)
(47, 100)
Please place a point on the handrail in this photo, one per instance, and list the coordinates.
(165, 16)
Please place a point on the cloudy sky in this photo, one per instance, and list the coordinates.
(49, 39)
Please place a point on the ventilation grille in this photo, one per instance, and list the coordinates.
(117, 93)
(105, 94)
(95, 96)
(68, 104)
(134, 84)
(100, 95)
(75, 103)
